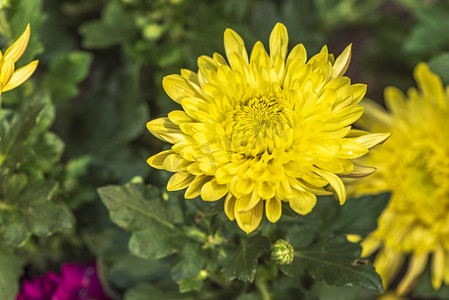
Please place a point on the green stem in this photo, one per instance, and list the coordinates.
(219, 280)
(262, 287)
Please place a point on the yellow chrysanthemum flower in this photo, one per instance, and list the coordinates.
(263, 129)
(414, 166)
(9, 77)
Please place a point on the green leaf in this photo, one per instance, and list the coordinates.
(128, 270)
(329, 292)
(440, 65)
(190, 284)
(10, 271)
(157, 241)
(350, 220)
(19, 129)
(424, 289)
(115, 27)
(27, 209)
(187, 270)
(432, 21)
(129, 208)
(241, 261)
(66, 71)
(142, 292)
(334, 260)
(139, 209)
(20, 14)
(107, 242)
(346, 218)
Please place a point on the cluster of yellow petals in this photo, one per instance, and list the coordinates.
(9, 77)
(414, 166)
(263, 129)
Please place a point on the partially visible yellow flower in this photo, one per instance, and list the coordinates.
(414, 166)
(9, 77)
(263, 129)
(391, 296)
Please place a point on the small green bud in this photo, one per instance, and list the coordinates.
(202, 275)
(282, 252)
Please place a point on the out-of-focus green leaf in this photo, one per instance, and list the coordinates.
(142, 292)
(424, 289)
(25, 12)
(330, 292)
(108, 242)
(128, 270)
(66, 72)
(10, 271)
(190, 284)
(334, 260)
(26, 209)
(432, 22)
(440, 65)
(241, 261)
(115, 27)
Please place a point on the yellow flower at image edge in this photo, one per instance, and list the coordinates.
(414, 166)
(264, 129)
(9, 77)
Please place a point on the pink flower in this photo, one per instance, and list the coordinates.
(76, 282)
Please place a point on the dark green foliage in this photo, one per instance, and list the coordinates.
(241, 261)
(73, 146)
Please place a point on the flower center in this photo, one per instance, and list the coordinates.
(258, 125)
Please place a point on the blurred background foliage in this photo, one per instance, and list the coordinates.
(79, 124)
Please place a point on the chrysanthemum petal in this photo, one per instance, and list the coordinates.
(372, 139)
(157, 160)
(20, 75)
(360, 171)
(265, 190)
(342, 62)
(16, 50)
(298, 54)
(375, 116)
(430, 84)
(175, 163)
(278, 42)
(388, 262)
(302, 202)
(273, 209)
(247, 202)
(335, 182)
(446, 269)
(351, 149)
(437, 268)
(194, 189)
(347, 115)
(395, 101)
(178, 117)
(248, 221)
(7, 70)
(177, 88)
(416, 266)
(229, 206)
(179, 181)
(212, 191)
(234, 43)
(166, 130)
